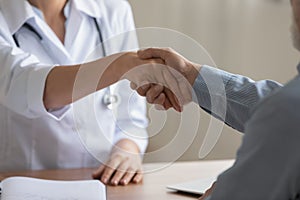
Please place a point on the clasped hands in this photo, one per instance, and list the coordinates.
(166, 80)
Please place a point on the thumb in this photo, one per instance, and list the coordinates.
(145, 53)
(152, 53)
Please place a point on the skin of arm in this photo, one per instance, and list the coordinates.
(61, 79)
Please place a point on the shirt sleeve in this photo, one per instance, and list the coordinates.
(22, 81)
(23, 78)
(268, 162)
(230, 97)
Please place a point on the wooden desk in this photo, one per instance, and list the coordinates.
(154, 183)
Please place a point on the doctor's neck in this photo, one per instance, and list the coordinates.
(53, 12)
(51, 9)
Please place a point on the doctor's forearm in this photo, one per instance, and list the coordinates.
(67, 84)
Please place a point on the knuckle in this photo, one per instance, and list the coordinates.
(118, 175)
(169, 49)
(126, 159)
(131, 170)
(108, 172)
(106, 176)
(117, 157)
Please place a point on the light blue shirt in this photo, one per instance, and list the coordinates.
(268, 161)
(238, 93)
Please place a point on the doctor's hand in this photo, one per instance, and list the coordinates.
(124, 165)
(179, 78)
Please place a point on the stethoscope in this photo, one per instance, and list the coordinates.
(109, 99)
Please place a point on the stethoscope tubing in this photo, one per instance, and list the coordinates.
(108, 98)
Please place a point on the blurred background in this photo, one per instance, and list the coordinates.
(249, 37)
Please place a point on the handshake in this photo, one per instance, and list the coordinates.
(163, 76)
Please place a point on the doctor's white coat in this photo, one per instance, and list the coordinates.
(32, 137)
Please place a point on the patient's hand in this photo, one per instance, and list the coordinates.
(123, 167)
(174, 80)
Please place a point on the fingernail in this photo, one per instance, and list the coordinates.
(135, 180)
(114, 182)
(104, 180)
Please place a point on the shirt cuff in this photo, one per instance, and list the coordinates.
(36, 86)
(210, 82)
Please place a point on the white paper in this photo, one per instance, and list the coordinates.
(17, 188)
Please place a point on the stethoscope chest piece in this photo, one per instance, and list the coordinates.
(111, 100)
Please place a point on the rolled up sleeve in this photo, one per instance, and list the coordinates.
(22, 82)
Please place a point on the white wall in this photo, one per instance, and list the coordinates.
(249, 37)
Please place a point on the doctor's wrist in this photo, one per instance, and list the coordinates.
(122, 64)
(127, 146)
